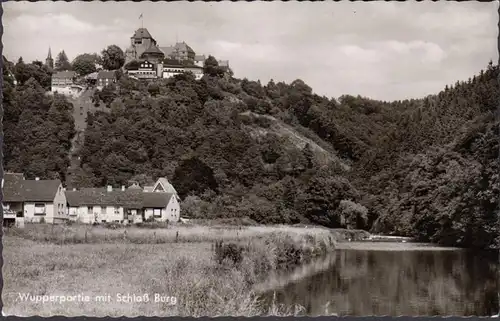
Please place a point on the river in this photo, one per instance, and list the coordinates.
(371, 278)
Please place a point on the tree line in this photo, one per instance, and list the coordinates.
(426, 168)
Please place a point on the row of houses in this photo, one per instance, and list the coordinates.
(37, 201)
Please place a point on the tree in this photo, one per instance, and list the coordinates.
(353, 215)
(113, 57)
(62, 62)
(85, 64)
(211, 67)
(23, 72)
(193, 175)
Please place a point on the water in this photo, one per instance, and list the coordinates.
(393, 279)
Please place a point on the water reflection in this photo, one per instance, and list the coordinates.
(368, 282)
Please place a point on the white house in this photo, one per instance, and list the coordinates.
(62, 79)
(34, 200)
(101, 205)
(145, 70)
(161, 206)
(132, 205)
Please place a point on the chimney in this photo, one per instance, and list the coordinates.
(37, 178)
(110, 188)
(123, 187)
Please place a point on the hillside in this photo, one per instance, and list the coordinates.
(281, 154)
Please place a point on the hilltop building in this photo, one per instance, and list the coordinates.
(180, 51)
(143, 46)
(105, 78)
(145, 59)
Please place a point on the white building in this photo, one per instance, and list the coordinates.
(34, 200)
(170, 70)
(145, 70)
(132, 205)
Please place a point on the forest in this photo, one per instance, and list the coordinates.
(426, 168)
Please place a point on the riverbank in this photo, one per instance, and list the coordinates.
(179, 261)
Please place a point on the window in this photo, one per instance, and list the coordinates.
(157, 212)
(117, 210)
(90, 209)
(39, 208)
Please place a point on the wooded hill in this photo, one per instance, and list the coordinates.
(426, 168)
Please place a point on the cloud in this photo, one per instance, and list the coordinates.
(360, 55)
(426, 52)
(64, 23)
(387, 50)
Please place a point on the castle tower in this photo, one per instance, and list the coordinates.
(49, 62)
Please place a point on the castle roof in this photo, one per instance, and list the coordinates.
(167, 50)
(182, 46)
(142, 33)
(153, 50)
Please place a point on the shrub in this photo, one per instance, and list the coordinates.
(231, 252)
(353, 215)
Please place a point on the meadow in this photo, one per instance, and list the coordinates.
(175, 261)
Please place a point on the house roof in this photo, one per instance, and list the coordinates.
(106, 74)
(64, 74)
(12, 188)
(129, 198)
(194, 67)
(148, 188)
(92, 75)
(17, 189)
(134, 186)
(142, 33)
(166, 184)
(156, 200)
(42, 190)
(100, 196)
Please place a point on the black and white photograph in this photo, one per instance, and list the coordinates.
(251, 158)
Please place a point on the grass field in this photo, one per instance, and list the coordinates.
(176, 261)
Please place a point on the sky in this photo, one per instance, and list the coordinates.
(381, 50)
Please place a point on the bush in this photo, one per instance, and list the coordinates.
(228, 252)
(353, 215)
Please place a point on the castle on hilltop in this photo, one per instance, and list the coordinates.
(144, 59)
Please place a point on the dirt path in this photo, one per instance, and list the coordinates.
(81, 106)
